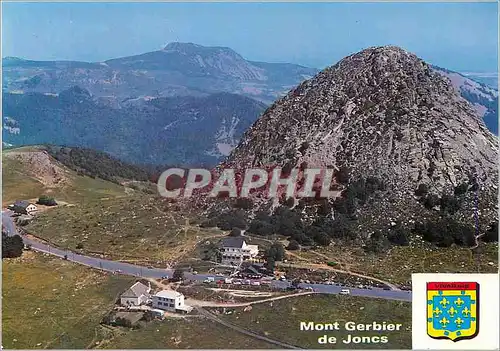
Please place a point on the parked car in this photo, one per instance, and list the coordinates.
(237, 282)
(255, 283)
(345, 292)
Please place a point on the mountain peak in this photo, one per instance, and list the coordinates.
(192, 48)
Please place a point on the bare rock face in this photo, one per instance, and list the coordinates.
(383, 113)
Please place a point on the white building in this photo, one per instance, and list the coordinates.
(25, 207)
(235, 250)
(136, 295)
(170, 300)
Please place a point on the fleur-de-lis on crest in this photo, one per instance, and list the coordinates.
(465, 311)
(444, 302)
(458, 322)
(452, 311)
(459, 302)
(444, 322)
(437, 311)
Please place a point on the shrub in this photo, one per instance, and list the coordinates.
(210, 223)
(244, 203)
(449, 204)
(399, 236)
(377, 243)
(430, 201)
(461, 189)
(445, 232)
(177, 275)
(491, 234)
(343, 175)
(79, 246)
(293, 245)
(422, 190)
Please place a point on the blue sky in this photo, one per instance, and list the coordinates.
(458, 36)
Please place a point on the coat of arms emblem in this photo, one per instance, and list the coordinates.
(452, 310)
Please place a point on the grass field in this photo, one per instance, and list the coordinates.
(131, 228)
(193, 333)
(51, 303)
(281, 319)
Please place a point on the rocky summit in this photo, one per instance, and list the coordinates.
(392, 126)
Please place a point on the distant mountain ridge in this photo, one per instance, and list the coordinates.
(179, 69)
(483, 97)
(177, 130)
(185, 104)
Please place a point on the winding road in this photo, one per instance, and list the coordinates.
(155, 273)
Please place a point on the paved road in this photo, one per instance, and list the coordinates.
(140, 271)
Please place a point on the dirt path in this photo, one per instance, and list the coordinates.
(244, 331)
(326, 267)
(476, 238)
(201, 303)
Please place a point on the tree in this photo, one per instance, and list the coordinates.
(12, 246)
(233, 219)
(178, 275)
(79, 246)
(270, 264)
(46, 200)
(293, 245)
(235, 232)
(261, 228)
(276, 251)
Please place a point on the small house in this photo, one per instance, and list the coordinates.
(24, 207)
(136, 295)
(170, 300)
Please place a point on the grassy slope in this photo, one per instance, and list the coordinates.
(398, 264)
(54, 303)
(195, 333)
(18, 183)
(121, 228)
(269, 320)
